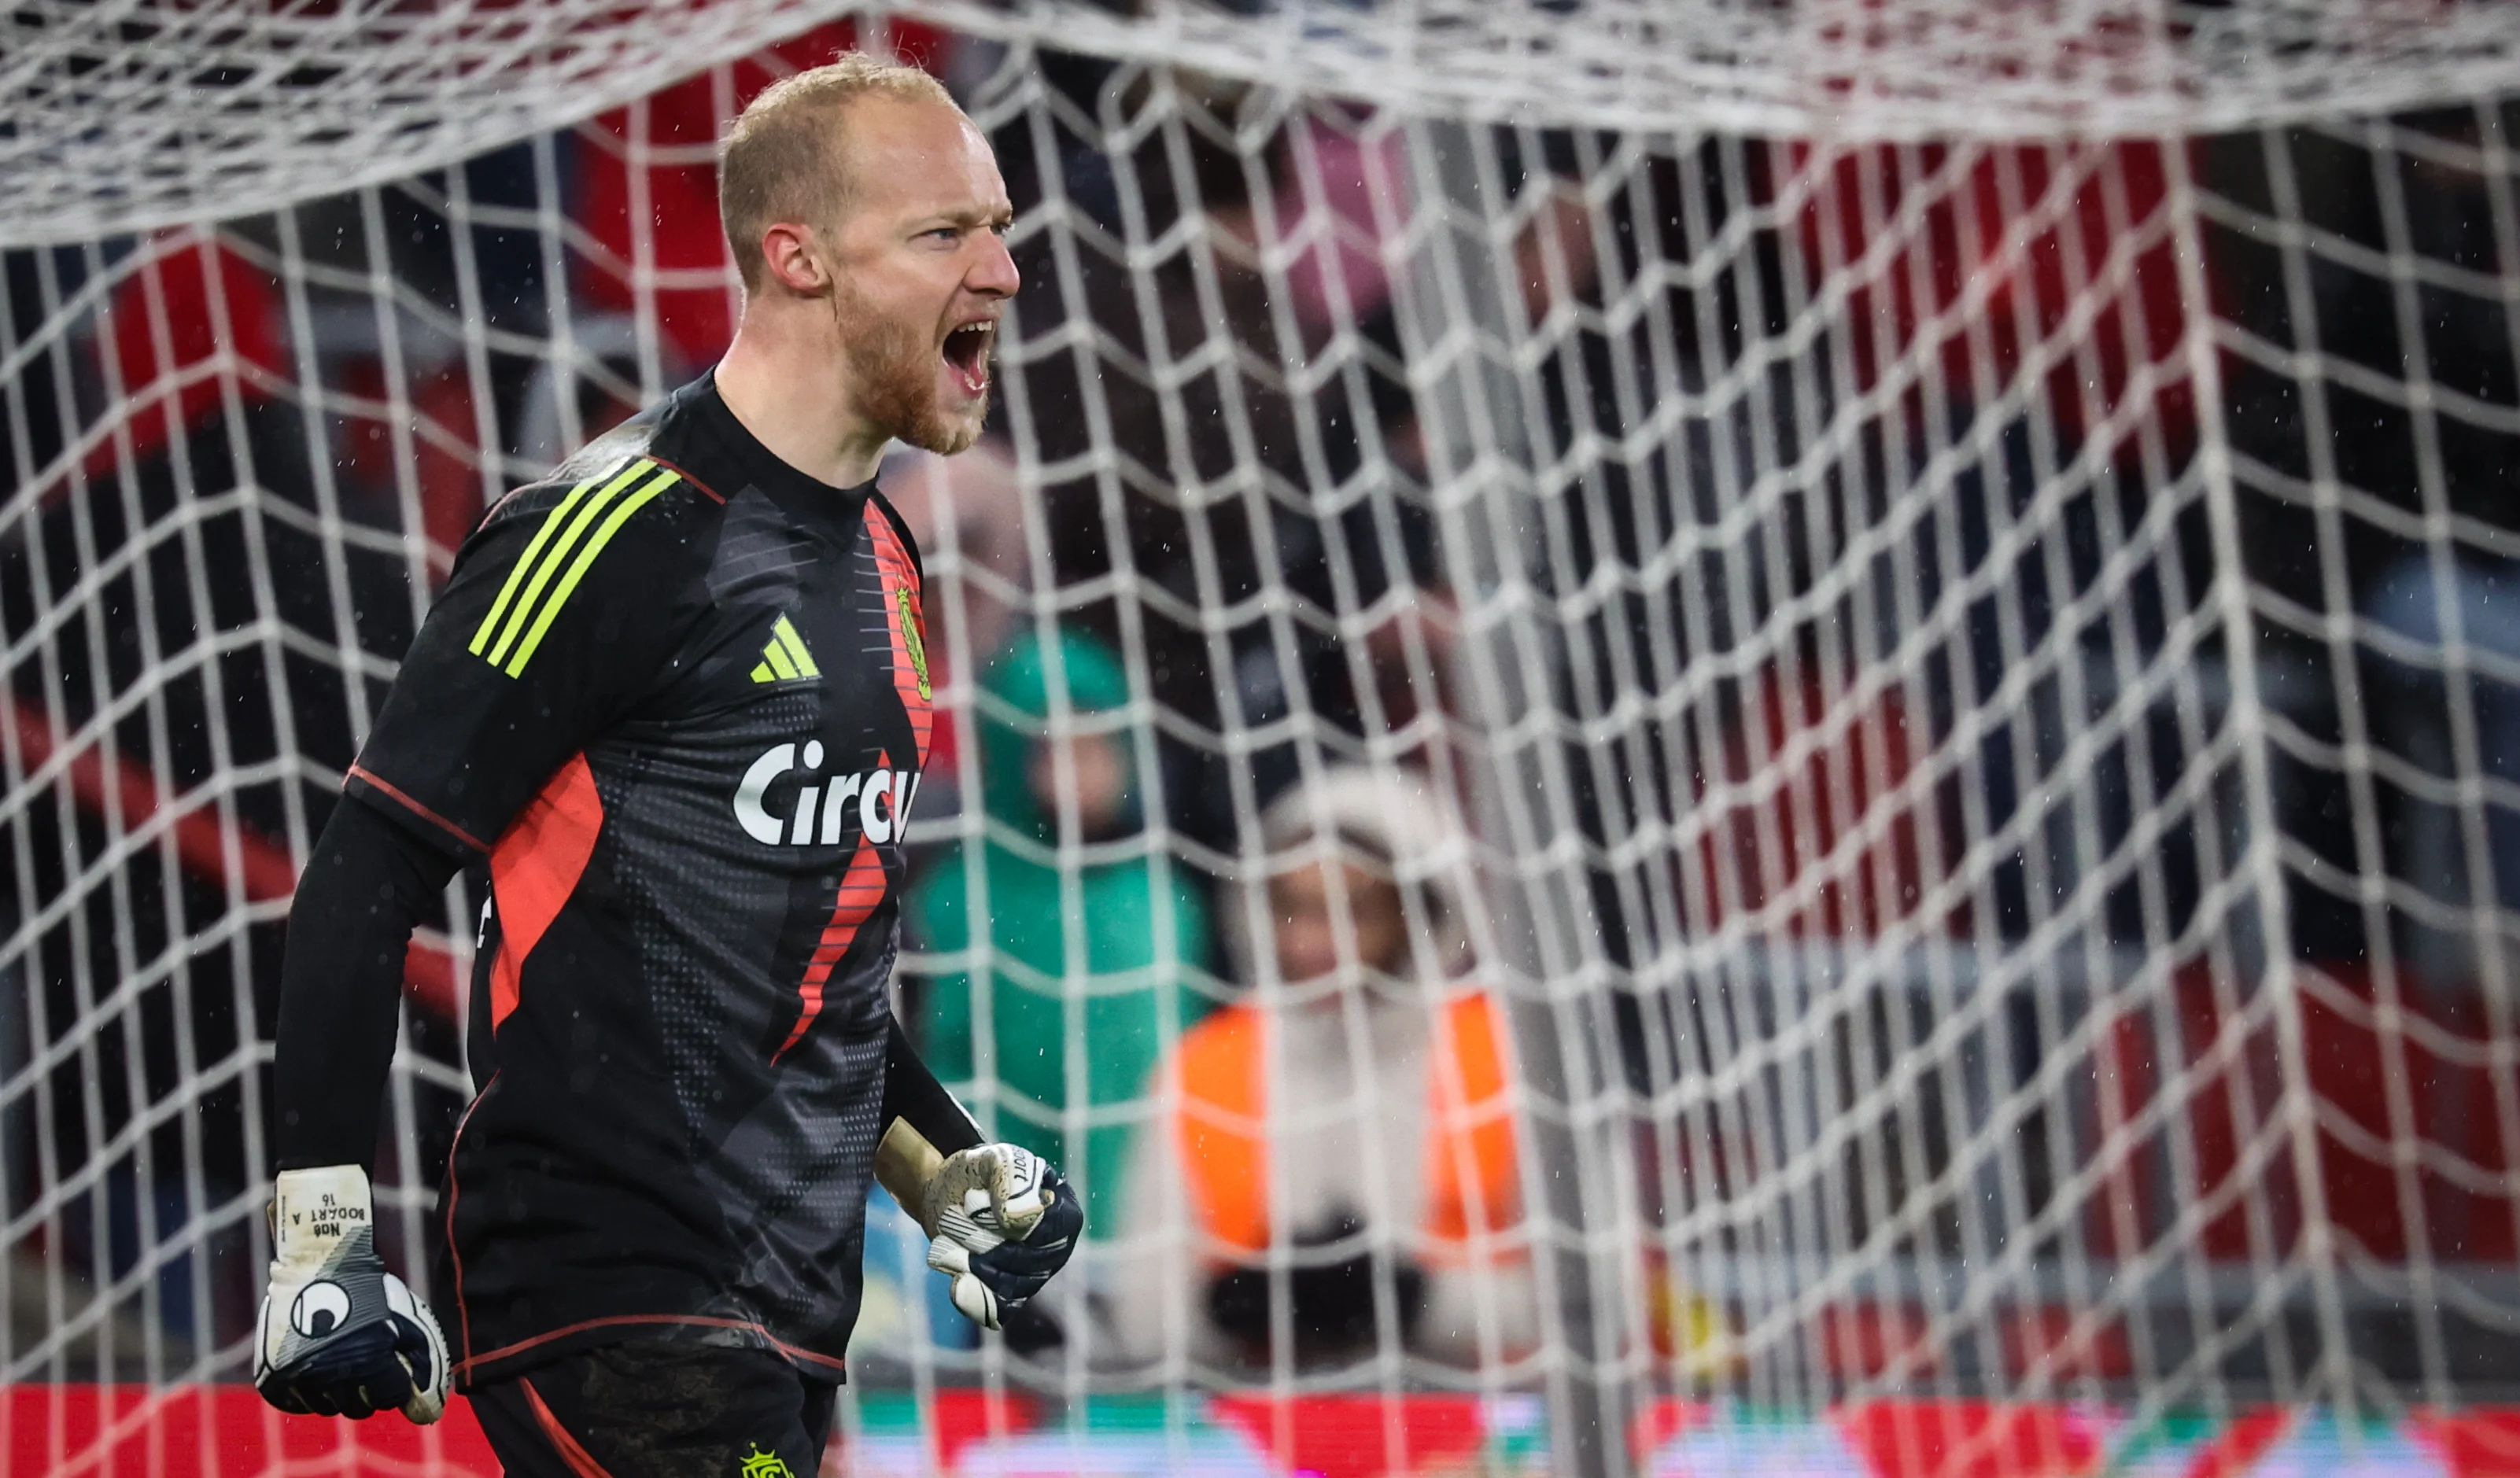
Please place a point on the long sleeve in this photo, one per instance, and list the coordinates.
(370, 883)
(515, 665)
(913, 1095)
(922, 1127)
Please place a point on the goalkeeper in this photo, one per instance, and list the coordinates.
(675, 699)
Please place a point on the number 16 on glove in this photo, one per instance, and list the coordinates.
(341, 1336)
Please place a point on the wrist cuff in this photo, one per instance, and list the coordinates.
(313, 1212)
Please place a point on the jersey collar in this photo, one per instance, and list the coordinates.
(803, 496)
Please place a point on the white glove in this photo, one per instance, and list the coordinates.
(341, 1336)
(1003, 1222)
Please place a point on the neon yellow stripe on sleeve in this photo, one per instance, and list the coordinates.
(549, 561)
(525, 562)
(622, 509)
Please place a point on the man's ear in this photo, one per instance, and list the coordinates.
(795, 262)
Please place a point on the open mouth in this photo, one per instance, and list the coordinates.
(967, 353)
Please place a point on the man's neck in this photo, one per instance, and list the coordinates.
(789, 387)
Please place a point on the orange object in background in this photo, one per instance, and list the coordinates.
(1223, 1090)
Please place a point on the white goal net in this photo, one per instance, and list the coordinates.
(1674, 735)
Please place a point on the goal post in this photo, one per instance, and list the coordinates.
(1921, 595)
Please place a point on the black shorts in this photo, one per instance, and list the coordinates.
(650, 1409)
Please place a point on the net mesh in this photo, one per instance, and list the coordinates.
(132, 116)
(1932, 647)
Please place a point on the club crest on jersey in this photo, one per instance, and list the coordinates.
(910, 640)
(761, 1464)
(880, 798)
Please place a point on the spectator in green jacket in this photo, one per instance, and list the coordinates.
(1082, 952)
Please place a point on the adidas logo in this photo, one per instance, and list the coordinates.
(784, 657)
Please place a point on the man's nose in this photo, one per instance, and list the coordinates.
(995, 274)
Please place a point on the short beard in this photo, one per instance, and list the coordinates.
(895, 365)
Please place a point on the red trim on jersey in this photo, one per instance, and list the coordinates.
(901, 578)
(464, 1368)
(514, 493)
(454, 1252)
(685, 473)
(393, 793)
(506, 498)
(861, 890)
(580, 1461)
(535, 867)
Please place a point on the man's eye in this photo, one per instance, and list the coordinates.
(947, 233)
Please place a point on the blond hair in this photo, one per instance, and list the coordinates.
(784, 159)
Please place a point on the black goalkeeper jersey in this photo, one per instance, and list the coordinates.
(676, 696)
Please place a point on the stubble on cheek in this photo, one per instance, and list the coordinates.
(950, 434)
(896, 366)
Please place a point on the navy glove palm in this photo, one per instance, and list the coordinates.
(1003, 1223)
(339, 1335)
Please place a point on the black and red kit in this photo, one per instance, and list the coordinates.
(676, 700)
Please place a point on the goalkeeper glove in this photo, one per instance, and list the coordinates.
(1001, 1221)
(341, 1336)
